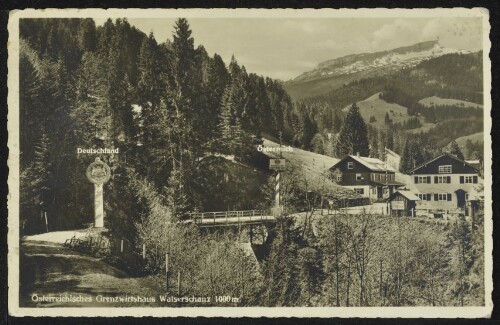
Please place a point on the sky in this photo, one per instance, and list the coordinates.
(283, 48)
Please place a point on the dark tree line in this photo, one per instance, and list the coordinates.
(432, 113)
(165, 106)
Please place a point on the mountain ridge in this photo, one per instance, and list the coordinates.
(334, 73)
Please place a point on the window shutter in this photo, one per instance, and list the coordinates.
(448, 179)
(436, 198)
(428, 179)
(416, 179)
(435, 179)
(461, 179)
(448, 196)
(474, 179)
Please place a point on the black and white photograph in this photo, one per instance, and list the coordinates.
(214, 162)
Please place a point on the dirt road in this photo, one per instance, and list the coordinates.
(49, 271)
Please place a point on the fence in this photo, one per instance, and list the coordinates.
(245, 216)
(130, 257)
(447, 214)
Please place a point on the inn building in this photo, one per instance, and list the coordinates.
(444, 182)
(369, 177)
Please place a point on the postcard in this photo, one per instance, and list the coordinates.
(250, 162)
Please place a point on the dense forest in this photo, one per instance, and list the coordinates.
(186, 125)
(168, 108)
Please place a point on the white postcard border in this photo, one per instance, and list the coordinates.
(365, 312)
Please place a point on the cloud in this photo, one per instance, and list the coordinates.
(395, 34)
(457, 33)
(433, 29)
(307, 26)
(461, 33)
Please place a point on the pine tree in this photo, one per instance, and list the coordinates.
(337, 122)
(238, 141)
(387, 119)
(281, 270)
(309, 130)
(318, 144)
(353, 136)
(32, 108)
(184, 91)
(178, 193)
(389, 138)
(150, 89)
(215, 80)
(36, 181)
(454, 150)
(406, 164)
(412, 155)
(87, 37)
(226, 122)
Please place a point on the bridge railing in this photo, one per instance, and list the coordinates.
(230, 216)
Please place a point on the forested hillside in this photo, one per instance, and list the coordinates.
(457, 77)
(165, 106)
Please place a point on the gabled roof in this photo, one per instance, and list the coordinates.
(440, 156)
(383, 183)
(392, 153)
(373, 164)
(407, 194)
(475, 161)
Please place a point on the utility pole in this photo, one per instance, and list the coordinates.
(277, 164)
(278, 176)
(386, 185)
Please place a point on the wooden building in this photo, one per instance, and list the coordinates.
(403, 203)
(369, 177)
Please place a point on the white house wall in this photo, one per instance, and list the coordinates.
(433, 188)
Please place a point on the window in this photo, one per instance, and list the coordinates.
(339, 178)
(424, 196)
(359, 177)
(422, 179)
(468, 179)
(442, 179)
(445, 169)
(442, 197)
(360, 190)
(350, 165)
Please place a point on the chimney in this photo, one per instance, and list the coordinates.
(357, 153)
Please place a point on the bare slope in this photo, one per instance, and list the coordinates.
(438, 101)
(314, 167)
(476, 137)
(309, 160)
(423, 129)
(376, 107)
